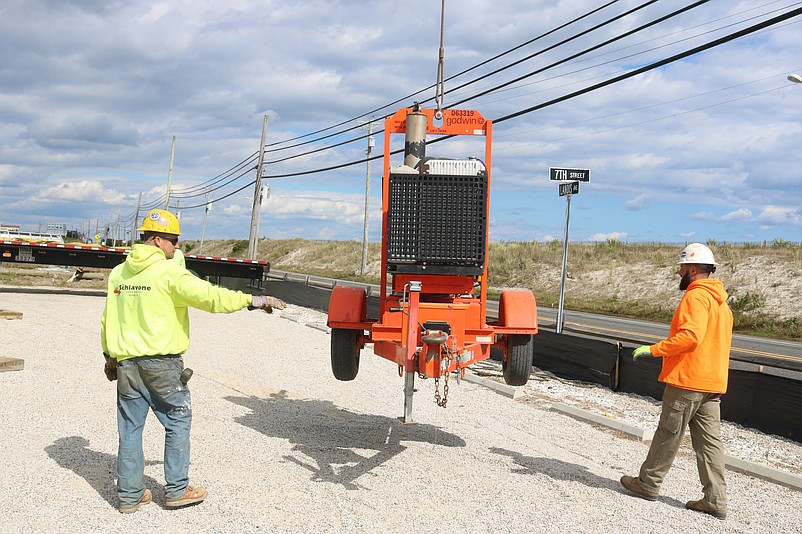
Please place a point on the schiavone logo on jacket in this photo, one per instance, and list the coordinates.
(130, 289)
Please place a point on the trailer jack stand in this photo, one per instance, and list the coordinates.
(409, 390)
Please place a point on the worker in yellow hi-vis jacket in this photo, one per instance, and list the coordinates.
(144, 332)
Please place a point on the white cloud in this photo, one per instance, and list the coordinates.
(742, 214)
(608, 236)
(80, 191)
(638, 203)
(320, 206)
(638, 161)
(774, 215)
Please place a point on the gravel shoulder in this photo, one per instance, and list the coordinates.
(284, 447)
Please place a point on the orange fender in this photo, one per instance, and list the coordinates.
(517, 309)
(348, 305)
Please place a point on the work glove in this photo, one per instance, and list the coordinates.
(261, 302)
(110, 368)
(643, 350)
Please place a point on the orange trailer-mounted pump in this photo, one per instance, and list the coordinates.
(433, 316)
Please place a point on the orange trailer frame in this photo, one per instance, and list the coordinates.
(453, 305)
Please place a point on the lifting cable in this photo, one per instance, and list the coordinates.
(412, 95)
(438, 93)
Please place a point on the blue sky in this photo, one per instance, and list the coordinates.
(91, 93)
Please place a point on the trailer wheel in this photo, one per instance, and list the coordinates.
(518, 364)
(344, 353)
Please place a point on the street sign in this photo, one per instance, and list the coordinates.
(569, 175)
(569, 188)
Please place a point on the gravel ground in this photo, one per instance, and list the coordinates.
(284, 447)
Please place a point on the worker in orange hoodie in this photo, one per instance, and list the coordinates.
(696, 358)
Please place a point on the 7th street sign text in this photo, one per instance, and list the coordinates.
(572, 175)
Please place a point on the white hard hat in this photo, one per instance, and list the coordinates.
(697, 253)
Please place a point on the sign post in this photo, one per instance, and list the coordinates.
(570, 179)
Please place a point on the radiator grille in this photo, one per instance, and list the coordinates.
(437, 223)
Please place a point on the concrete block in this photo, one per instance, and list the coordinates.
(584, 415)
(502, 389)
(8, 314)
(764, 472)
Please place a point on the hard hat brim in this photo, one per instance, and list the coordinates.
(143, 229)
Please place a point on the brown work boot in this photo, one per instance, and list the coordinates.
(702, 506)
(131, 508)
(633, 485)
(191, 496)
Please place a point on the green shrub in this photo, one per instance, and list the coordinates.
(782, 243)
(746, 303)
(239, 247)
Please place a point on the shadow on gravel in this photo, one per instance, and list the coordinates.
(97, 468)
(335, 440)
(560, 470)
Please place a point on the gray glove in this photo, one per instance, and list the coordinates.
(110, 368)
(261, 302)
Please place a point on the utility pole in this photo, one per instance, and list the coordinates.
(117, 227)
(255, 211)
(170, 176)
(371, 143)
(264, 193)
(136, 218)
(203, 228)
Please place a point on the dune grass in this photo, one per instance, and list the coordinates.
(537, 266)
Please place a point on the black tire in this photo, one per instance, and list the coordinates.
(518, 364)
(344, 353)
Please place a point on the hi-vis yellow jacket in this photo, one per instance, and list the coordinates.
(147, 301)
(696, 354)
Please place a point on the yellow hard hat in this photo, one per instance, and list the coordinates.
(161, 222)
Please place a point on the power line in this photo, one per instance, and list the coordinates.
(605, 83)
(563, 42)
(461, 73)
(657, 64)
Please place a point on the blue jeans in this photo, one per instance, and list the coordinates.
(152, 383)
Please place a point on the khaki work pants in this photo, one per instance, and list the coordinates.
(701, 412)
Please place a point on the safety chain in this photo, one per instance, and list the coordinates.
(442, 401)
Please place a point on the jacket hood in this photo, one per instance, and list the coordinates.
(143, 256)
(714, 286)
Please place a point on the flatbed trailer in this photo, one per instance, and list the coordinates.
(96, 256)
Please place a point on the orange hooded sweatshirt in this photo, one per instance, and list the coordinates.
(696, 354)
